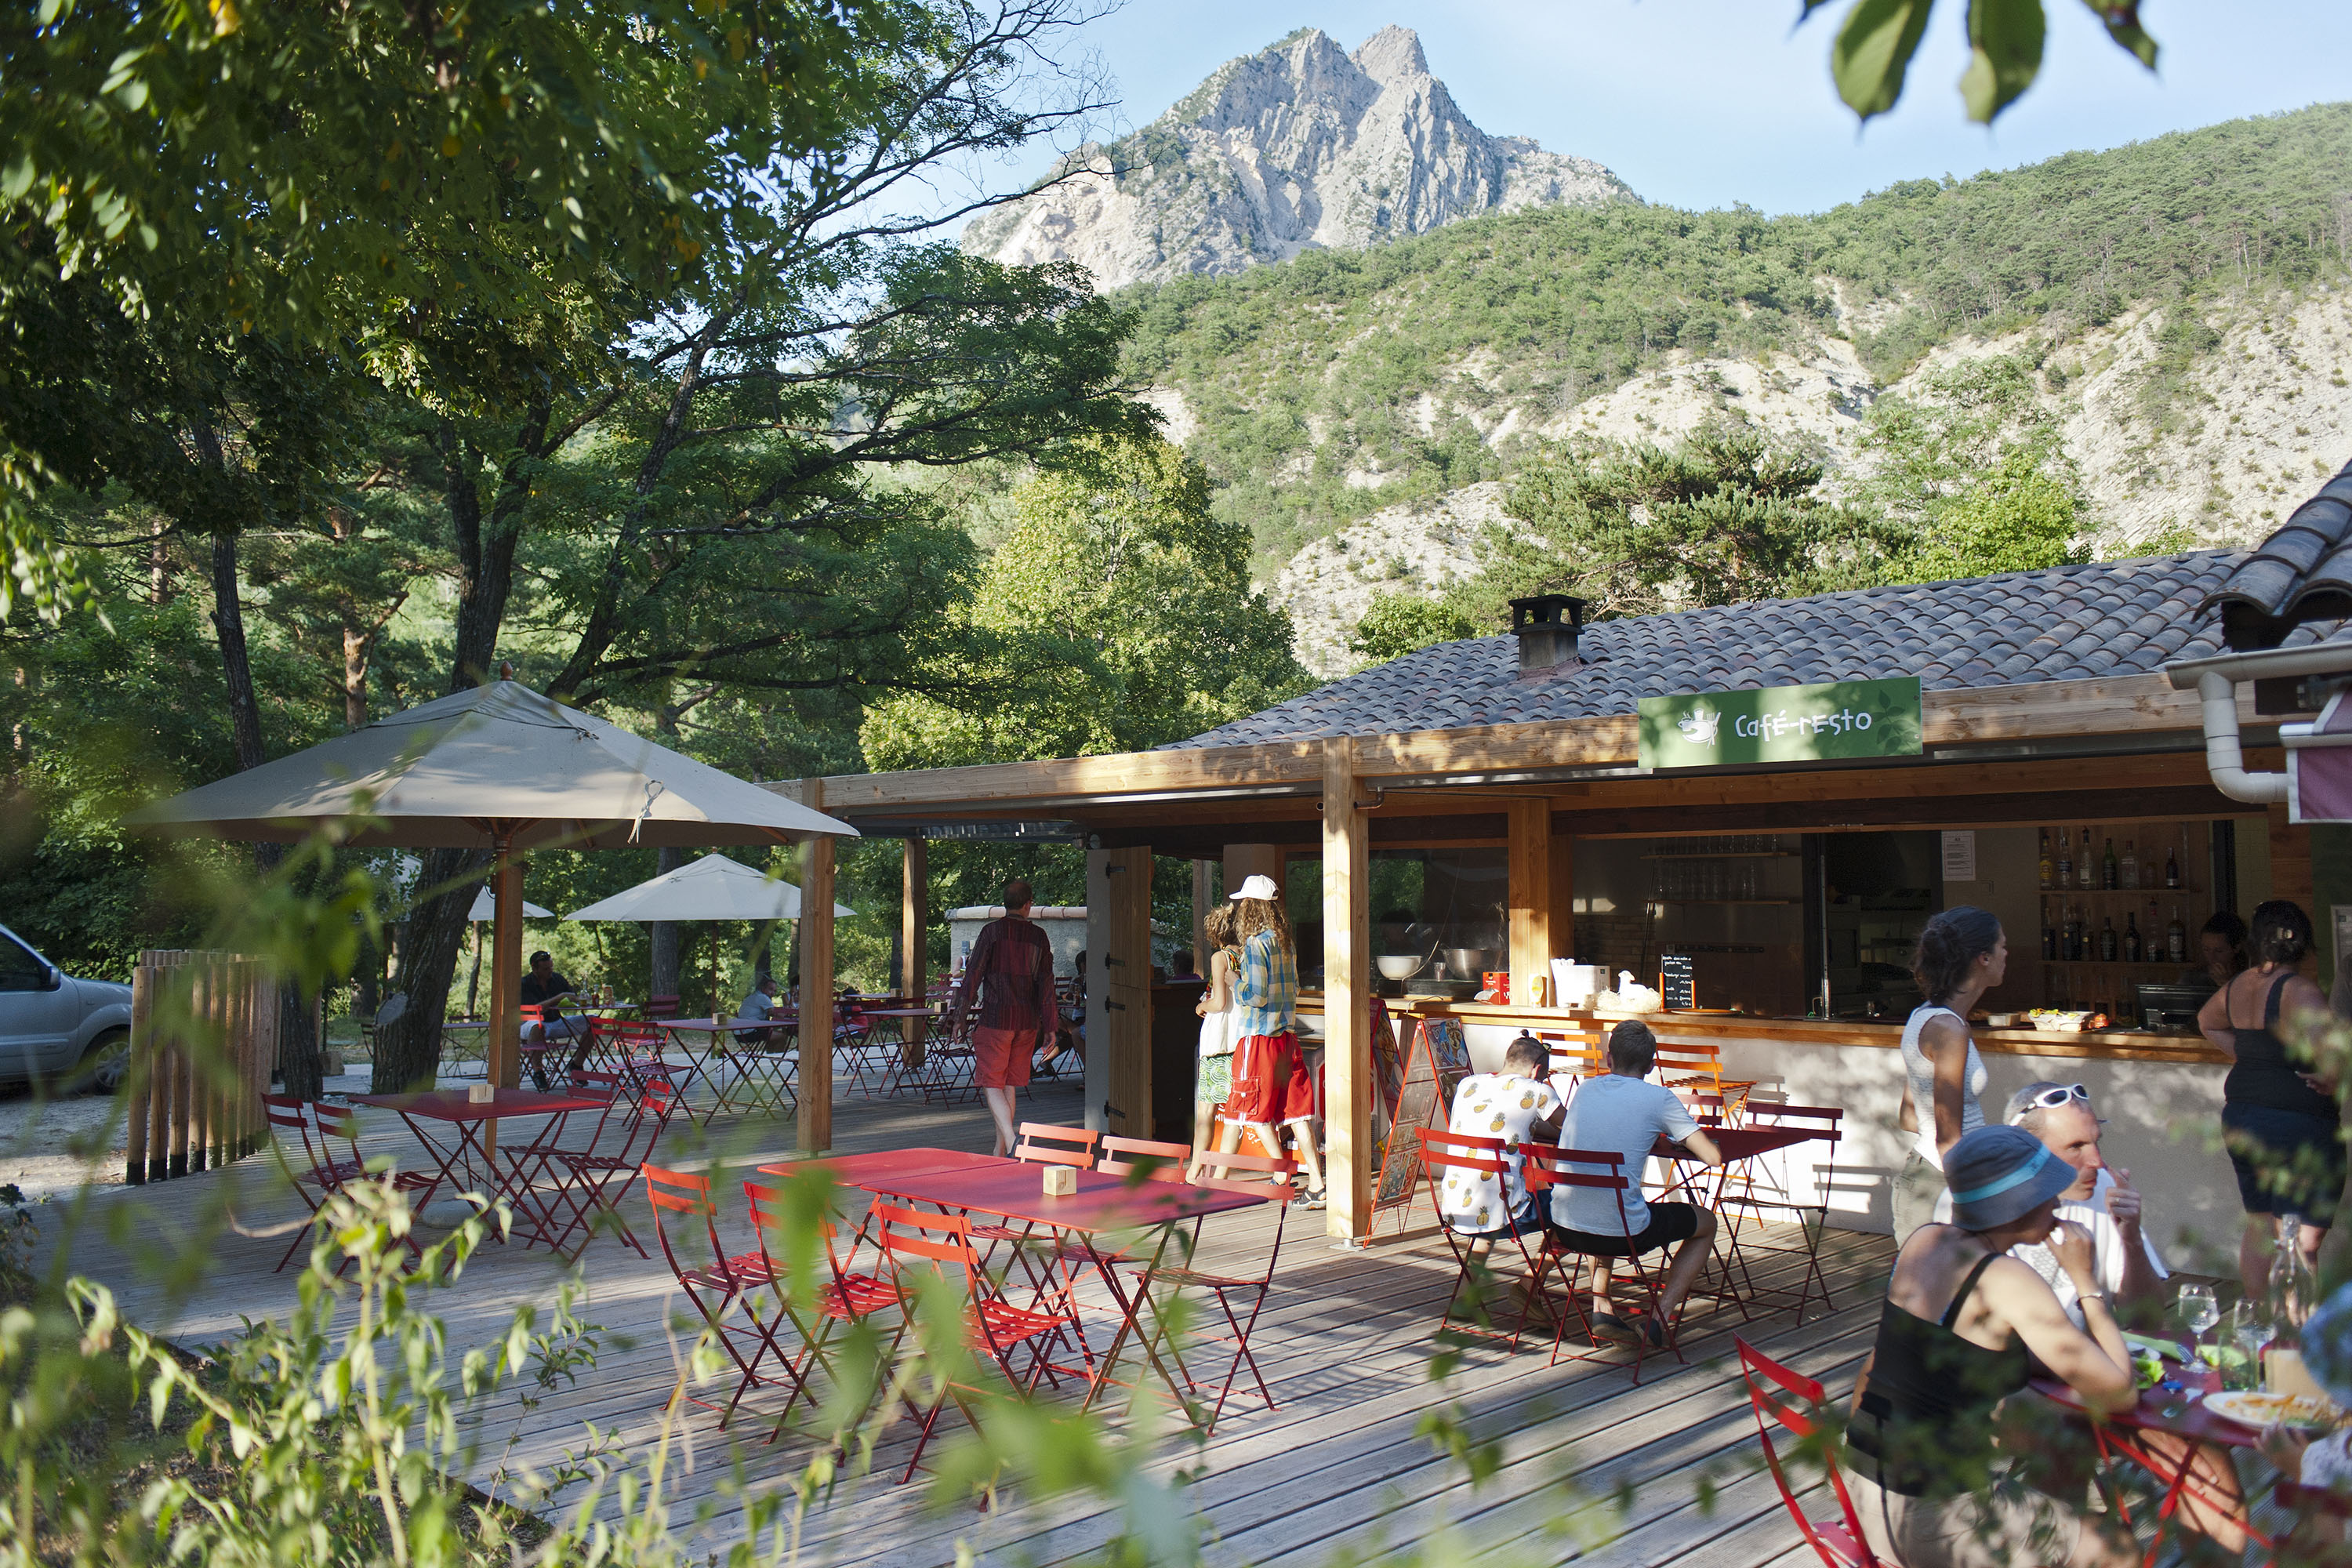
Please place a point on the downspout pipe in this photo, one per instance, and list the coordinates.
(2215, 684)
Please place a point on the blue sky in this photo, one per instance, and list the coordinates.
(1707, 103)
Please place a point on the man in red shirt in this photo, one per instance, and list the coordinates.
(1011, 972)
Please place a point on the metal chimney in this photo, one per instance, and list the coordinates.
(1547, 627)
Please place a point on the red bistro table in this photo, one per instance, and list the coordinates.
(2123, 1435)
(465, 1118)
(698, 1066)
(1737, 1146)
(1103, 1205)
(910, 1035)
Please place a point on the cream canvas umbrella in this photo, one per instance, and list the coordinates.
(711, 888)
(498, 767)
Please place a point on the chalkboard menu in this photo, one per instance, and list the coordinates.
(1678, 982)
(1437, 1060)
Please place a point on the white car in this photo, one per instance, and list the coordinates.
(57, 1029)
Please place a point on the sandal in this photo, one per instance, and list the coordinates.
(1313, 1198)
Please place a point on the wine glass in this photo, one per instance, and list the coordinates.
(2198, 1311)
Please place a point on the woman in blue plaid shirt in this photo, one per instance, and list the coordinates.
(1271, 1089)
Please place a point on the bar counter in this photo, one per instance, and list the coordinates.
(2161, 1094)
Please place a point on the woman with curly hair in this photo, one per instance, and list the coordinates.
(1962, 954)
(1271, 1089)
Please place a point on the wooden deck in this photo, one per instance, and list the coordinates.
(1345, 1342)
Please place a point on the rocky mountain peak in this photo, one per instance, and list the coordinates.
(1302, 145)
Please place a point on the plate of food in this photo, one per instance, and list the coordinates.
(2260, 1408)
(2059, 1020)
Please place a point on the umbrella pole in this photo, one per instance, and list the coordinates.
(505, 975)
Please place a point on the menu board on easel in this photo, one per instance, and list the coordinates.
(1678, 982)
(1435, 1062)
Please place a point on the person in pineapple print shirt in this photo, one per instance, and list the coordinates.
(1507, 1105)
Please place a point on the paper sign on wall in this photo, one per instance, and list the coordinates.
(1960, 855)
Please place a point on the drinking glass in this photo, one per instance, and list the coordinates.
(2198, 1311)
(2251, 1332)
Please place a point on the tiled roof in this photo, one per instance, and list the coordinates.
(2302, 572)
(2066, 623)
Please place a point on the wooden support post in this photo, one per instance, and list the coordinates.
(139, 1070)
(1126, 980)
(1097, 995)
(1204, 898)
(817, 986)
(1243, 861)
(914, 939)
(1530, 900)
(1347, 996)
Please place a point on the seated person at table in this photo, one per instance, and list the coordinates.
(2103, 1203)
(1508, 1105)
(547, 990)
(1940, 1461)
(2307, 1457)
(1616, 1112)
(760, 1003)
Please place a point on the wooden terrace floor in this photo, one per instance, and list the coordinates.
(1345, 1342)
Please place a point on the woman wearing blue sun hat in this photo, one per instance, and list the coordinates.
(1939, 1479)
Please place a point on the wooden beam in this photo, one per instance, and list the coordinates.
(1347, 997)
(914, 936)
(2173, 804)
(816, 980)
(1529, 892)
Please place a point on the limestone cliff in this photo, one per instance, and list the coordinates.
(1300, 146)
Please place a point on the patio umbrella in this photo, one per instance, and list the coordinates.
(711, 888)
(497, 767)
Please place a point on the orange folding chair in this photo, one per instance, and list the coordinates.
(1547, 1168)
(1472, 1158)
(1144, 1159)
(845, 1297)
(1839, 1541)
(1697, 1067)
(716, 1287)
(995, 1328)
(1232, 1290)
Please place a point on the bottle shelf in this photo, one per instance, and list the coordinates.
(2160, 894)
(2114, 963)
(1730, 855)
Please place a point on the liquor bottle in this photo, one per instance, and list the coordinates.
(2086, 868)
(2171, 870)
(2049, 867)
(2074, 935)
(2131, 938)
(2130, 866)
(2065, 860)
(2048, 936)
(2110, 874)
(2176, 938)
(2107, 940)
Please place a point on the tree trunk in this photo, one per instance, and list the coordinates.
(299, 1058)
(236, 665)
(408, 1050)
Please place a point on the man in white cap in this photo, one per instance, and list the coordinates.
(1271, 1093)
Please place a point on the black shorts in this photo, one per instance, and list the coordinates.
(2287, 1162)
(1669, 1222)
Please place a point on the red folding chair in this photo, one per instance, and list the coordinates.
(1742, 1197)
(1143, 1159)
(843, 1298)
(661, 1006)
(718, 1287)
(1043, 1143)
(1546, 1168)
(1839, 1541)
(1474, 1158)
(1228, 1289)
(594, 1176)
(995, 1328)
(319, 1168)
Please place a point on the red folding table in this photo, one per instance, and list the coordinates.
(469, 1153)
(1737, 1146)
(1102, 1205)
(2125, 1435)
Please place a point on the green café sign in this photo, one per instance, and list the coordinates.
(1783, 724)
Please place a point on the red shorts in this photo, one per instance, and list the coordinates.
(1270, 1082)
(1001, 1056)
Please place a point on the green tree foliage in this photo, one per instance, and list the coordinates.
(1723, 517)
(1872, 52)
(1119, 615)
(1394, 624)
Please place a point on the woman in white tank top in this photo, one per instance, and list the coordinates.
(1962, 954)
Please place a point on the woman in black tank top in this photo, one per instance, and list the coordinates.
(2280, 1121)
(1932, 1469)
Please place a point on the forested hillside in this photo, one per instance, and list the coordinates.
(1341, 383)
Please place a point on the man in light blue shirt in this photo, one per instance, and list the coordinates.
(1619, 1113)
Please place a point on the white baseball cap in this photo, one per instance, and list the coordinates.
(1258, 886)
